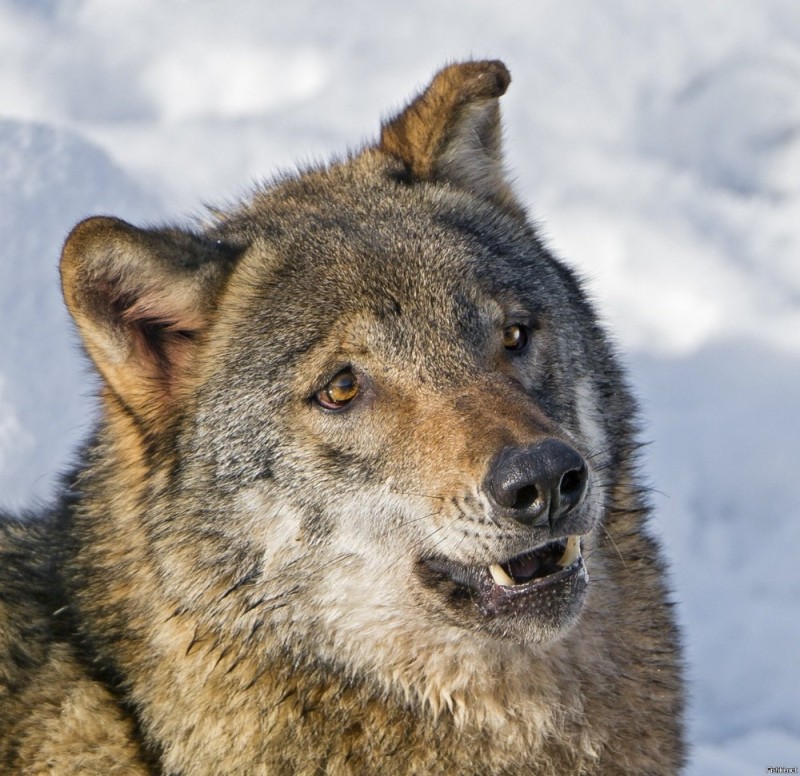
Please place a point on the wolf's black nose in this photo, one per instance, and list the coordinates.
(538, 484)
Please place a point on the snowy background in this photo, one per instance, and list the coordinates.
(657, 143)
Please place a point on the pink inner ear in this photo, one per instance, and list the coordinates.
(162, 310)
(162, 330)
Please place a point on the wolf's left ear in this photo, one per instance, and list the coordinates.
(141, 299)
(452, 131)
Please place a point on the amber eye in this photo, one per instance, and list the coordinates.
(339, 391)
(515, 337)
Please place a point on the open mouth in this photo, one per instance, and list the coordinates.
(531, 596)
(540, 563)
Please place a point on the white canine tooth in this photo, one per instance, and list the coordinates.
(571, 552)
(499, 575)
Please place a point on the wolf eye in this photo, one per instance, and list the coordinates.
(515, 337)
(338, 392)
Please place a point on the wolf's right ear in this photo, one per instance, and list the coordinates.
(140, 299)
(452, 131)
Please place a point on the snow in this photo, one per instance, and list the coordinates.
(659, 145)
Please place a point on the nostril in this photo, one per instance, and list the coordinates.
(572, 482)
(526, 497)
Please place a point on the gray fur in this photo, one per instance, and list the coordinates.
(238, 580)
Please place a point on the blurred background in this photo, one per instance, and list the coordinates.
(658, 147)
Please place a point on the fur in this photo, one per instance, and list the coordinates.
(326, 415)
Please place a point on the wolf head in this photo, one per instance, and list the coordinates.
(366, 412)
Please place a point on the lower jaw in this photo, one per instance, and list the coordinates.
(535, 615)
(539, 611)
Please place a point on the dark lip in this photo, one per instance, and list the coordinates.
(495, 599)
(498, 595)
(476, 577)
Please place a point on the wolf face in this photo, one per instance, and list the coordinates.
(363, 424)
(403, 385)
(386, 406)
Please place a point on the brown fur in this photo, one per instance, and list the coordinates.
(240, 581)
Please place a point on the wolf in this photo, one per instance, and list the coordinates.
(363, 497)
